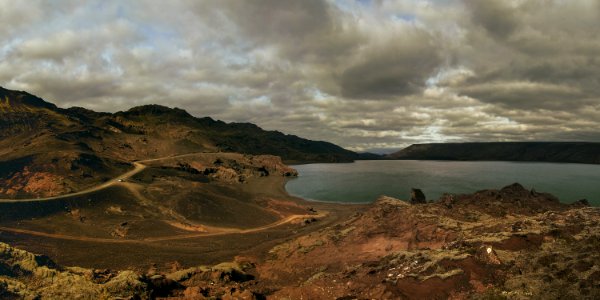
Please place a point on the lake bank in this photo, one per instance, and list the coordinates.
(365, 181)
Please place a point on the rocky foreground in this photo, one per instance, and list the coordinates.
(510, 243)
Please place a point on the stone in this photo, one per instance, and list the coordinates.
(417, 196)
(581, 203)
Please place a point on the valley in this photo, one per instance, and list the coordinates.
(153, 203)
(293, 150)
(165, 200)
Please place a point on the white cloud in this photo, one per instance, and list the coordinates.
(364, 76)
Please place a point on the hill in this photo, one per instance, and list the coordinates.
(509, 243)
(567, 152)
(46, 150)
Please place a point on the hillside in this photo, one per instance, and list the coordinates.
(510, 243)
(567, 152)
(46, 150)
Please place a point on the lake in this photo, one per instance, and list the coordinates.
(365, 181)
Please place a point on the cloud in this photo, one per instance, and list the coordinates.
(366, 75)
(497, 17)
(397, 66)
(526, 95)
(271, 21)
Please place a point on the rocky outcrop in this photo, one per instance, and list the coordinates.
(270, 164)
(26, 182)
(472, 246)
(233, 167)
(417, 196)
(581, 203)
(461, 247)
(54, 173)
(511, 199)
(24, 275)
(21, 112)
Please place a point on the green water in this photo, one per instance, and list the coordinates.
(365, 181)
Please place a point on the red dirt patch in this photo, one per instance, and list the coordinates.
(43, 184)
(432, 288)
(520, 242)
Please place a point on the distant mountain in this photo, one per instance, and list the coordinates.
(44, 146)
(568, 152)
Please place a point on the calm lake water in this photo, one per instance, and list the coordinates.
(365, 181)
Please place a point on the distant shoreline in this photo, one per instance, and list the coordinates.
(444, 160)
(551, 152)
(364, 181)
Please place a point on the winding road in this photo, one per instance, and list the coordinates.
(138, 167)
(225, 231)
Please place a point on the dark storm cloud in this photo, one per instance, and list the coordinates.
(541, 57)
(495, 16)
(365, 75)
(398, 67)
(528, 95)
(272, 20)
(312, 30)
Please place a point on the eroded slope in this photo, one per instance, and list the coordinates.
(495, 244)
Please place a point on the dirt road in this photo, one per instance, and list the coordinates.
(220, 231)
(138, 166)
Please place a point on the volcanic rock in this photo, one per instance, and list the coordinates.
(581, 203)
(417, 196)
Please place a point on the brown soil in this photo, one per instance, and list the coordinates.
(172, 217)
(151, 206)
(43, 184)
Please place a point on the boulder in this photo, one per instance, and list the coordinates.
(515, 189)
(417, 196)
(580, 203)
(488, 255)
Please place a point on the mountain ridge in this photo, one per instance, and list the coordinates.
(161, 112)
(11, 98)
(66, 149)
(562, 152)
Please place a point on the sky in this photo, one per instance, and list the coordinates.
(368, 75)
